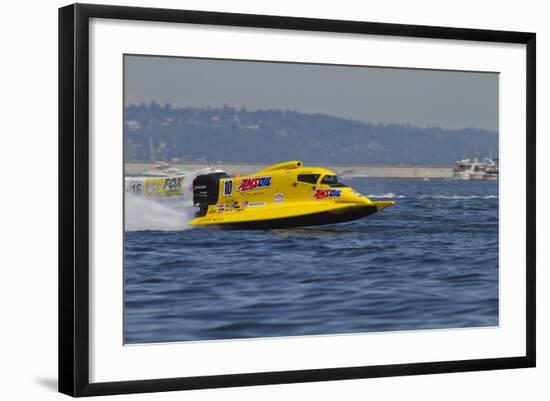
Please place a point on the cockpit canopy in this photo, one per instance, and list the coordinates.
(332, 181)
(309, 178)
(327, 179)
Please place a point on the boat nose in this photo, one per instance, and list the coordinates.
(382, 205)
(362, 200)
(357, 198)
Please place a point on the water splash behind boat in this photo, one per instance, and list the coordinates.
(143, 214)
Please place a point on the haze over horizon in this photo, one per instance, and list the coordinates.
(156, 132)
(446, 99)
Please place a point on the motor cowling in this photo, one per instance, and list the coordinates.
(206, 188)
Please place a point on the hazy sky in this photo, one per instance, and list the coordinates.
(446, 99)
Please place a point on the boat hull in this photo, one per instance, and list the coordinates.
(314, 219)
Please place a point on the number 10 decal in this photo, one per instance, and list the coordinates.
(228, 187)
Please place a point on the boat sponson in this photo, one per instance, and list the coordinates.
(314, 219)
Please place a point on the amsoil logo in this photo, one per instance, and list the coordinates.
(327, 193)
(250, 184)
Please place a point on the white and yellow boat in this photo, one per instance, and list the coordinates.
(281, 196)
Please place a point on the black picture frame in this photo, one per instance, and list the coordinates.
(74, 198)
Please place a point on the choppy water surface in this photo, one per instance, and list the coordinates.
(429, 262)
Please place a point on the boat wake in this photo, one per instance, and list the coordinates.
(141, 214)
(458, 197)
(389, 195)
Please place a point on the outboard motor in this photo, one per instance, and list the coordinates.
(206, 188)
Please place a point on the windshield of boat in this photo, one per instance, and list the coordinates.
(309, 178)
(332, 181)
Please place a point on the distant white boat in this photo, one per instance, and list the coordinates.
(352, 174)
(163, 169)
(474, 169)
(491, 173)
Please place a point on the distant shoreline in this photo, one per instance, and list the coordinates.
(377, 171)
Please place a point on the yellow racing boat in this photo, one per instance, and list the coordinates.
(281, 196)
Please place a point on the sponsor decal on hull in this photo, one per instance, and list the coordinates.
(253, 204)
(229, 207)
(251, 184)
(278, 198)
(327, 193)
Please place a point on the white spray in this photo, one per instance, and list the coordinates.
(161, 213)
(142, 213)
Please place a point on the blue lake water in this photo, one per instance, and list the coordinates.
(429, 262)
